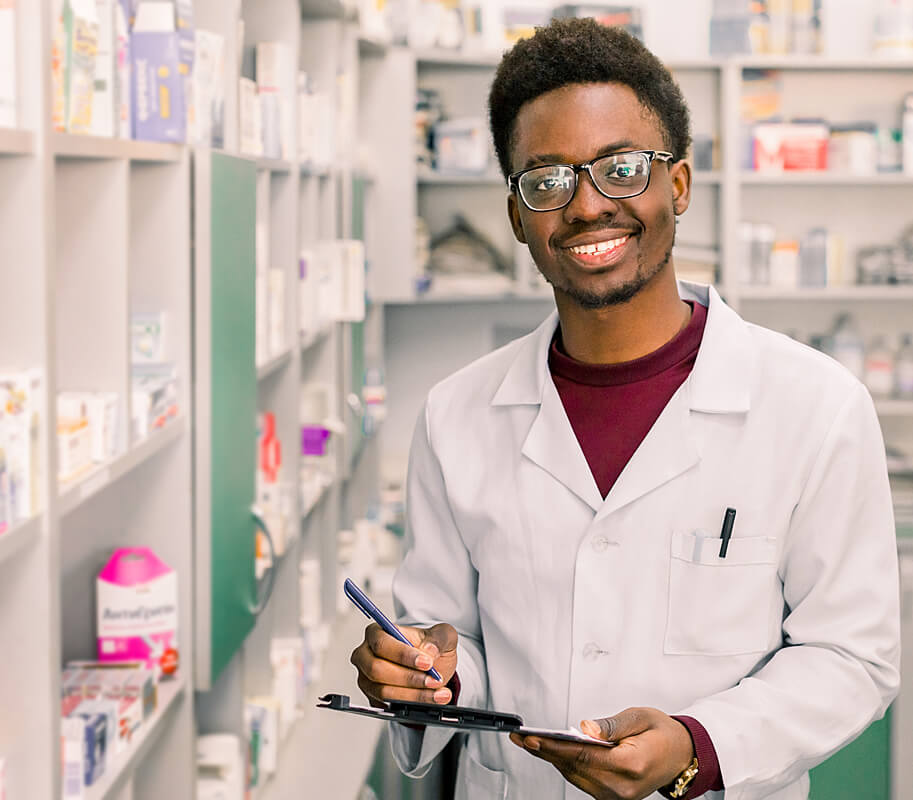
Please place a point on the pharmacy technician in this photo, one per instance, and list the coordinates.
(571, 556)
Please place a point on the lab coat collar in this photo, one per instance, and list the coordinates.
(720, 381)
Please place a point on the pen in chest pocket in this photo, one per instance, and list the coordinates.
(726, 533)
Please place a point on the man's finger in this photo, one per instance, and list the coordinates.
(630, 722)
(384, 646)
(385, 693)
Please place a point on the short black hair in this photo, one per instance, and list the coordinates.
(581, 51)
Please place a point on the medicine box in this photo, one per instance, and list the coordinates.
(80, 49)
(21, 398)
(137, 607)
(100, 410)
(104, 113)
(8, 72)
(162, 60)
(148, 337)
(73, 757)
(74, 447)
(783, 146)
(95, 732)
(209, 90)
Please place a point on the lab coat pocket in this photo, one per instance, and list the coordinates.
(720, 606)
(476, 781)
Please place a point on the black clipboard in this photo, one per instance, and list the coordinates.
(459, 717)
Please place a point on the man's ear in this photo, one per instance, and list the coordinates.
(680, 172)
(513, 213)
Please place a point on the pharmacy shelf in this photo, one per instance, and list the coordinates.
(894, 408)
(72, 146)
(707, 177)
(456, 179)
(816, 179)
(14, 142)
(825, 64)
(371, 46)
(695, 64)
(19, 536)
(321, 733)
(275, 364)
(830, 293)
(308, 341)
(456, 58)
(307, 510)
(120, 769)
(310, 171)
(75, 492)
(328, 9)
(498, 297)
(275, 165)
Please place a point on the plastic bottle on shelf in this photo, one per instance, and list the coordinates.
(879, 368)
(906, 126)
(903, 369)
(847, 346)
(813, 258)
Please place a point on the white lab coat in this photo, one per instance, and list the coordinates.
(570, 606)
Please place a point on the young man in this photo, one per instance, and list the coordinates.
(571, 554)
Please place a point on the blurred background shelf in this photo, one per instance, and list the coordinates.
(74, 146)
(275, 364)
(15, 142)
(19, 536)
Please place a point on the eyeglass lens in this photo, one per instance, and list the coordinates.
(552, 187)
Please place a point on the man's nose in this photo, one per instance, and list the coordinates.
(588, 203)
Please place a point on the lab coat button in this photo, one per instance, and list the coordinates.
(599, 544)
(592, 651)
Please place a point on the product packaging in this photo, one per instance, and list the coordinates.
(907, 134)
(251, 137)
(261, 319)
(220, 767)
(21, 396)
(100, 411)
(277, 336)
(780, 146)
(73, 758)
(343, 295)
(80, 49)
(122, 64)
(105, 91)
(162, 49)
(115, 743)
(627, 17)
(276, 82)
(288, 680)
(266, 712)
(8, 72)
(461, 146)
(138, 611)
(154, 398)
(209, 90)
(309, 593)
(148, 337)
(74, 447)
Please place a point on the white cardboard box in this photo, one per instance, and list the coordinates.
(8, 111)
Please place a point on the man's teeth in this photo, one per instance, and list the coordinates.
(598, 247)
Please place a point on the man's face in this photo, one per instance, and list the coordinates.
(575, 124)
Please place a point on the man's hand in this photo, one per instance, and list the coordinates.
(390, 670)
(653, 750)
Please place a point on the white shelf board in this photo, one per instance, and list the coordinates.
(121, 768)
(73, 146)
(371, 46)
(328, 9)
(456, 58)
(831, 293)
(275, 165)
(309, 509)
(894, 408)
(76, 491)
(444, 179)
(688, 64)
(310, 340)
(275, 364)
(707, 177)
(500, 297)
(826, 63)
(15, 142)
(19, 536)
(821, 178)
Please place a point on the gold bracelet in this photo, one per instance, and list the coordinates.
(683, 781)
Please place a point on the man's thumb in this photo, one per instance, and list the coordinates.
(629, 722)
(439, 639)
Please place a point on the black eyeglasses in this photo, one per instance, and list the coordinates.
(616, 176)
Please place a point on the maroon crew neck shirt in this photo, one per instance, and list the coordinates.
(611, 409)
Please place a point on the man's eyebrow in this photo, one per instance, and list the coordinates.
(552, 158)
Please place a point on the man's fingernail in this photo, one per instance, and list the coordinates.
(431, 682)
(532, 744)
(423, 661)
(442, 696)
(431, 649)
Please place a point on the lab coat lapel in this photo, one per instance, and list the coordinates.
(550, 442)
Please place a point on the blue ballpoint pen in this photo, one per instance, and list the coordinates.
(371, 611)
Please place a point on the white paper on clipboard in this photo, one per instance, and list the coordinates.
(569, 735)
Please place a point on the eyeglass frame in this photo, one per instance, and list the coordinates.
(513, 180)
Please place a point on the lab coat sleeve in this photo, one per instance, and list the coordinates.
(436, 582)
(839, 667)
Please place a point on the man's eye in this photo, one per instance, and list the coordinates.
(621, 171)
(551, 184)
